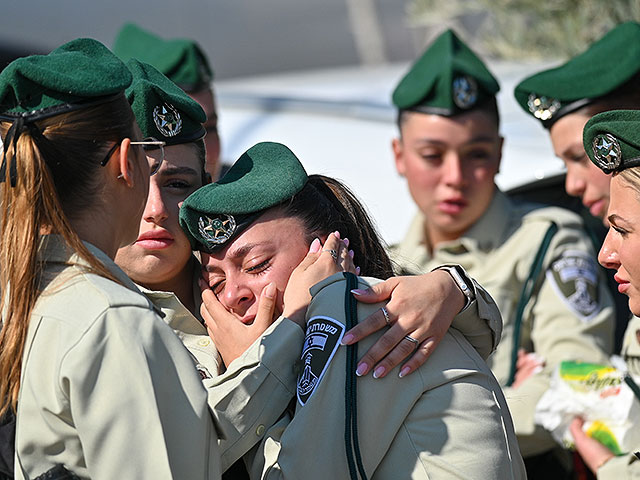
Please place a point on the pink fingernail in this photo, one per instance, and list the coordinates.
(358, 291)
(347, 339)
(315, 246)
(404, 371)
(357, 270)
(270, 290)
(346, 242)
(351, 253)
(379, 372)
(362, 369)
(337, 234)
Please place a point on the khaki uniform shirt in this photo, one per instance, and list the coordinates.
(570, 314)
(447, 420)
(256, 388)
(626, 467)
(106, 387)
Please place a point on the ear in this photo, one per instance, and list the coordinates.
(124, 162)
(398, 155)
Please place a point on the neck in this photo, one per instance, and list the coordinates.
(181, 285)
(103, 234)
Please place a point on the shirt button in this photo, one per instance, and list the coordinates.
(203, 342)
(260, 430)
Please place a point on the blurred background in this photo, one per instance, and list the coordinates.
(318, 76)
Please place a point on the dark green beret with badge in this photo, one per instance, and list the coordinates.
(163, 110)
(606, 65)
(264, 176)
(447, 79)
(612, 140)
(180, 59)
(76, 75)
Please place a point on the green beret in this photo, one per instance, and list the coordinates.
(612, 140)
(264, 176)
(79, 73)
(606, 65)
(179, 59)
(163, 110)
(447, 79)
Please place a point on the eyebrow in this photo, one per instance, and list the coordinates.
(613, 217)
(480, 139)
(172, 170)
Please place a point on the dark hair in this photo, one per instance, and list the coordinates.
(325, 205)
(489, 106)
(55, 179)
(201, 153)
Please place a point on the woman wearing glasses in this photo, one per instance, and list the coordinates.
(100, 386)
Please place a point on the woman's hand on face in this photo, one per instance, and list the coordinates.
(592, 451)
(230, 336)
(421, 307)
(315, 267)
(528, 364)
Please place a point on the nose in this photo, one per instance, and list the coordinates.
(155, 211)
(237, 297)
(608, 256)
(453, 174)
(574, 183)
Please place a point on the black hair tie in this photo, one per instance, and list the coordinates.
(15, 131)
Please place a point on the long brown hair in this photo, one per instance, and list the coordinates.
(56, 163)
(325, 205)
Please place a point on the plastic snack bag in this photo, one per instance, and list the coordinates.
(601, 396)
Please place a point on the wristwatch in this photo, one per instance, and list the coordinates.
(462, 280)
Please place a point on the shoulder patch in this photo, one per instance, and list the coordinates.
(574, 277)
(320, 345)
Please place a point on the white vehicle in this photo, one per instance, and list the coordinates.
(341, 122)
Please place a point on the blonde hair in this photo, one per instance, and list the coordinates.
(632, 177)
(55, 161)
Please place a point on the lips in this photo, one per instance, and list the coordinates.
(452, 206)
(596, 208)
(156, 239)
(623, 285)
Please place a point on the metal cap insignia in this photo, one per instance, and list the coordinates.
(218, 230)
(465, 91)
(543, 108)
(167, 120)
(606, 151)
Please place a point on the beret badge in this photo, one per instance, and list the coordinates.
(607, 153)
(543, 108)
(216, 231)
(167, 120)
(465, 91)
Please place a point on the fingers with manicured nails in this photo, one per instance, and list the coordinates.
(391, 340)
(423, 352)
(366, 327)
(378, 292)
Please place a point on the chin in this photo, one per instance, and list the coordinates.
(634, 303)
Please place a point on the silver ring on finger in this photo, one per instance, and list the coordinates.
(385, 312)
(333, 253)
(412, 340)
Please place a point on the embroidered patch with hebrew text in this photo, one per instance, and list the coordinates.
(320, 345)
(574, 277)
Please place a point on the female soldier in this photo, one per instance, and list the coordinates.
(604, 77)
(160, 260)
(538, 263)
(83, 355)
(256, 225)
(612, 141)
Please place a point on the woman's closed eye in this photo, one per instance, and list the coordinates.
(259, 268)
